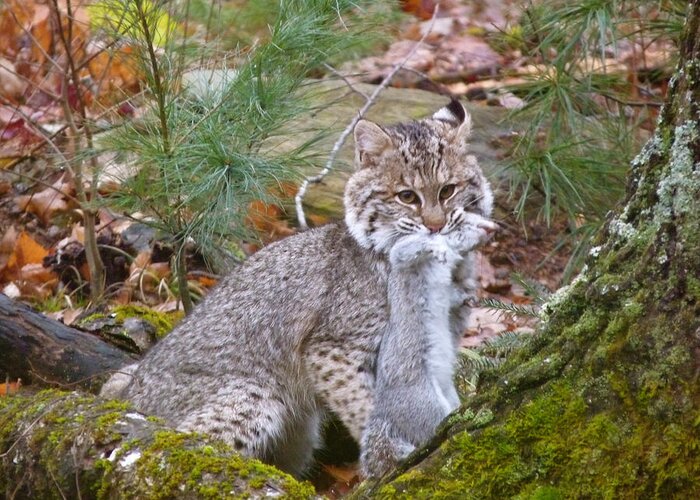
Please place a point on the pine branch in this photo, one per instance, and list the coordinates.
(509, 308)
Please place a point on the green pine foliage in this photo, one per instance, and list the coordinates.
(212, 139)
(584, 119)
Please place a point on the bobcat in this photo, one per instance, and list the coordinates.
(295, 331)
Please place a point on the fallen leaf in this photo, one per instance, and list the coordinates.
(70, 315)
(46, 203)
(12, 291)
(25, 251)
(422, 9)
(267, 219)
(7, 388)
(11, 85)
(345, 474)
(36, 281)
(169, 306)
(7, 247)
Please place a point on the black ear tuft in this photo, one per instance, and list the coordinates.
(454, 113)
(456, 108)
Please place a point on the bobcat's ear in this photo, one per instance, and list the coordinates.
(456, 115)
(370, 142)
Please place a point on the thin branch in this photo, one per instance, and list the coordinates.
(94, 260)
(29, 428)
(299, 198)
(347, 82)
(58, 486)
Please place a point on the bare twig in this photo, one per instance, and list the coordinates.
(299, 198)
(77, 128)
(29, 428)
(347, 82)
(58, 486)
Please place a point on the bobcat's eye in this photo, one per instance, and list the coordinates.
(446, 192)
(408, 197)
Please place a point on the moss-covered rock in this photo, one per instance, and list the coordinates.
(64, 445)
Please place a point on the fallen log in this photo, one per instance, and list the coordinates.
(38, 349)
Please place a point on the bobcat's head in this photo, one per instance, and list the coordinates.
(414, 177)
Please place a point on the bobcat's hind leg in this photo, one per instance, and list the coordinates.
(302, 436)
(260, 422)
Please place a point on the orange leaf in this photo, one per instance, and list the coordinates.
(207, 281)
(423, 9)
(317, 219)
(345, 474)
(10, 387)
(26, 251)
(36, 281)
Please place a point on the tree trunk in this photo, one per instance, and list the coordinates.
(38, 349)
(64, 445)
(604, 401)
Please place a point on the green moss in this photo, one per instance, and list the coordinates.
(553, 440)
(163, 322)
(170, 463)
(176, 459)
(617, 420)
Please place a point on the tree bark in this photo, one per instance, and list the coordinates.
(604, 401)
(38, 349)
(64, 445)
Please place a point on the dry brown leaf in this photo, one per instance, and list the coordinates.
(205, 281)
(70, 315)
(77, 233)
(42, 33)
(33, 281)
(7, 388)
(117, 72)
(422, 9)
(345, 474)
(160, 270)
(7, 247)
(318, 220)
(46, 203)
(123, 295)
(169, 306)
(11, 85)
(141, 261)
(266, 218)
(25, 251)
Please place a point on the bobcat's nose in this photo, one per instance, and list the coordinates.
(434, 228)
